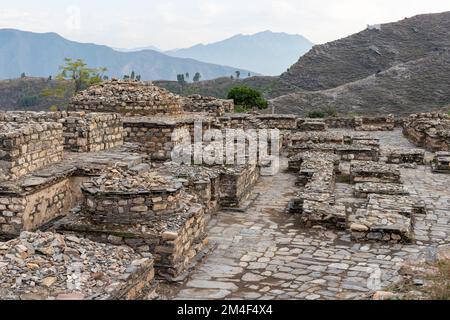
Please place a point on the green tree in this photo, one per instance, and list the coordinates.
(197, 77)
(23, 75)
(78, 72)
(187, 75)
(180, 78)
(247, 98)
(74, 76)
(133, 75)
(249, 74)
(138, 77)
(238, 74)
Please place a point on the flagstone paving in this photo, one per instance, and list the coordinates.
(264, 254)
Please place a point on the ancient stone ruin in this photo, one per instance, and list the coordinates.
(93, 204)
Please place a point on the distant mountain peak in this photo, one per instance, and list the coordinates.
(266, 52)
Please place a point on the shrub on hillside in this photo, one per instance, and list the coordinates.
(247, 98)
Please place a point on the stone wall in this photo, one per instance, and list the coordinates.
(428, 130)
(441, 162)
(122, 207)
(236, 184)
(382, 123)
(156, 138)
(25, 147)
(30, 210)
(92, 132)
(130, 98)
(82, 132)
(201, 104)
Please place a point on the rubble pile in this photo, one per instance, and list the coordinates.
(48, 266)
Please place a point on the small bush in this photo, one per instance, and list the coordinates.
(28, 101)
(316, 114)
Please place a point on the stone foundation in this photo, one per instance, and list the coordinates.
(428, 130)
(311, 125)
(236, 184)
(156, 138)
(363, 190)
(31, 209)
(174, 240)
(92, 132)
(399, 156)
(368, 171)
(199, 181)
(441, 162)
(386, 123)
(25, 148)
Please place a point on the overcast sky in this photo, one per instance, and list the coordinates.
(172, 24)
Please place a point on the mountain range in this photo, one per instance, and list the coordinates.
(267, 52)
(41, 54)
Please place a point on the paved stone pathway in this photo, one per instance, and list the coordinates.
(264, 254)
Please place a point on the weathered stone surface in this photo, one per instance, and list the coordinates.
(127, 98)
(51, 266)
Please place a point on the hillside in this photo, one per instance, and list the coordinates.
(415, 86)
(370, 51)
(40, 55)
(25, 94)
(267, 52)
(269, 86)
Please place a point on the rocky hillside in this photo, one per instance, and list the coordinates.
(415, 86)
(370, 51)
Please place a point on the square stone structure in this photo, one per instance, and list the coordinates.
(36, 266)
(236, 184)
(200, 181)
(148, 212)
(441, 162)
(369, 171)
(30, 203)
(311, 125)
(400, 156)
(129, 98)
(25, 147)
(428, 130)
(159, 136)
(384, 123)
(92, 132)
